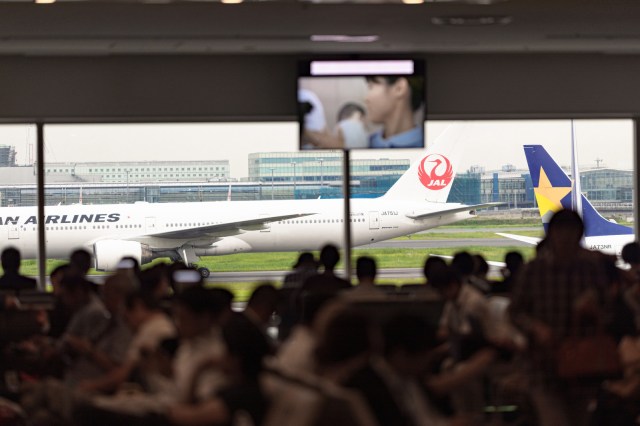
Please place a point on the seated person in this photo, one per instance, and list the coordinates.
(109, 349)
(366, 271)
(12, 281)
(295, 355)
(150, 326)
(327, 281)
(260, 309)
(196, 374)
(242, 396)
(52, 400)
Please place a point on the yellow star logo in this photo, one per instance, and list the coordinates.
(549, 197)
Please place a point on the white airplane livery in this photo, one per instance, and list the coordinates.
(188, 231)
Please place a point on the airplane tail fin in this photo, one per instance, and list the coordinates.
(553, 191)
(431, 177)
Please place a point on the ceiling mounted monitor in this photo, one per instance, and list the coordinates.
(361, 104)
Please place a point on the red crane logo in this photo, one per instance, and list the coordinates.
(438, 172)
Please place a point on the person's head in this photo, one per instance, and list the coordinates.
(564, 232)
(130, 264)
(194, 312)
(116, 289)
(10, 259)
(631, 254)
(462, 262)
(264, 301)
(447, 282)
(513, 262)
(329, 257)
(183, 278)
(389, 95)
(80, 261)
(408, 339)
(351, 111)
(74, 291)
(139, 308)
(306, 260)
(246, 349)
(155, 281)
(431, 265)
(366, 269)
(480, 266)
(221, 299)
(56, 277)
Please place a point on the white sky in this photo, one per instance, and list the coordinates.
(490, 144)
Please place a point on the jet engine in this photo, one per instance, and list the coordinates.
(109, 252)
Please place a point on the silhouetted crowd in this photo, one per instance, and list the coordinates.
(555, 342)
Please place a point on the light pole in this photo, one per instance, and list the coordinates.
(272, 183)
(321, 176)
(293, 163)
(127, 172)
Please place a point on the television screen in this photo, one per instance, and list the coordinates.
(361, 104)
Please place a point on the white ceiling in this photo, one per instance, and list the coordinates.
(204, 27)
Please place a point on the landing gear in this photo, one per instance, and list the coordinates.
(188, 256)
(204, 272)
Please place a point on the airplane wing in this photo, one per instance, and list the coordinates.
(459, 209)
(529, 240)
(226, 229)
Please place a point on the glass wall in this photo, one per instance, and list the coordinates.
(91, 168)
(18, 192)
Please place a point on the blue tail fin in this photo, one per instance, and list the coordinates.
(552, 187)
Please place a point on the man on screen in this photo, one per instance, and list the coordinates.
(393, 101)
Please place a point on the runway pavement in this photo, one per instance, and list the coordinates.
(230, 277)
(395, 273)
(447, 243)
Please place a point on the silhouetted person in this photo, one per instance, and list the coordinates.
(433, 265)
(80, 261)
(561, 293)
(327, 281)
(260, 308)
(79, 264)
(513, 263)
(60, 315)
(462, 262)
(305, 267)
(12, 281)
(366, 271)
(631, 255)
(261, 305)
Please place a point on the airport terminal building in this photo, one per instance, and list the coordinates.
(279, 176)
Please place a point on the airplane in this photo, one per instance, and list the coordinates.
(188, 231)
(554, 191)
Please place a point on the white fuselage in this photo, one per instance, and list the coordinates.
(321, 222)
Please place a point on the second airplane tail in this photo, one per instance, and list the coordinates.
(553, 188)
(431, 177)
